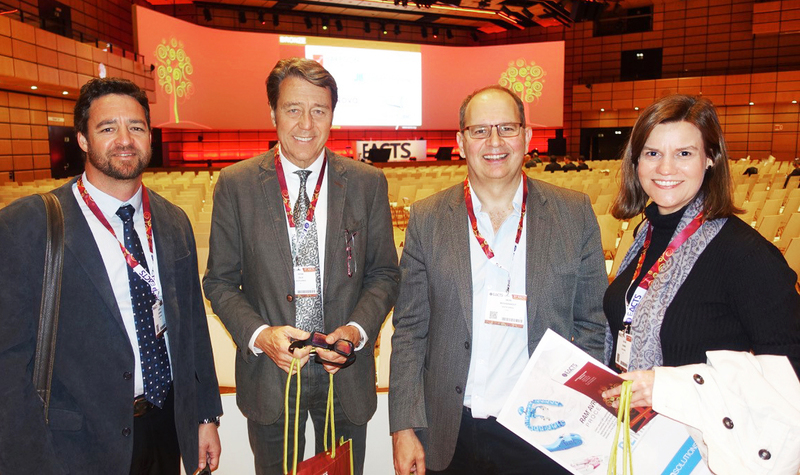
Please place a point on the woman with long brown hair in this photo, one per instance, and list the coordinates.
(699, 279)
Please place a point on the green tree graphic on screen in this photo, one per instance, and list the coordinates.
(525, 79)
(174, 71)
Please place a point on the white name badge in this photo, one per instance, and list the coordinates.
(505, 309)
(158, 318)
(305, 281)
(623, 356)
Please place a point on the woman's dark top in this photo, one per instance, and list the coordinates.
(740, 295)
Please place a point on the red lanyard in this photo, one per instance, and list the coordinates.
(632, 303)
(148, 225)
(474, 221)
(676, 242)
(285, 193)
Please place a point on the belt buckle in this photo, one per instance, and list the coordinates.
(141, 406)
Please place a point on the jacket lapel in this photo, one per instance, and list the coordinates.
(272, 204)
(166, 238)
(538, 233)
(337, 190)
(458, 252)
(79, 241)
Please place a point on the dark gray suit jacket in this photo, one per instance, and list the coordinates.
(92, 394)
(566, 280)
(250, 281)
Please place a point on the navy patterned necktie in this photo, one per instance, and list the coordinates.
(152, 350)
(308, 309)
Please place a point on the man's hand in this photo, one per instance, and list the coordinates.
(409, 456)
(641, 389)
(275, 341)
(347, 332)
(210, 447)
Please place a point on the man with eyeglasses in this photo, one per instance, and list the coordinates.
(488, 265)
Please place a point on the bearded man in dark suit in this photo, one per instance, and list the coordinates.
(133, 385)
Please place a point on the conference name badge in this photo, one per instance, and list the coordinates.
(506, 309)
(158, 318)
(305, 281)
(623, 357)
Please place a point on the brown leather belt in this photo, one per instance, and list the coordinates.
(141, 406)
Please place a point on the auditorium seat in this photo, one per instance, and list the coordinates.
(609, 231)
(625, 243)
(768, 226)
(790, 231)
(792, 255)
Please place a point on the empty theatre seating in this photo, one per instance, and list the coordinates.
(769, 207)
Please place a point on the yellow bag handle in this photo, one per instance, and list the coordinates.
(623, 422)
(286, 417)
(329, 416)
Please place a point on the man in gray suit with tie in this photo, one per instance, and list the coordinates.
(488, 266)
(302, 241)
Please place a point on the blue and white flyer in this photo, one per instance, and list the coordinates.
(555, 406)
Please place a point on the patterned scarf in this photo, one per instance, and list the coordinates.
(646, 327)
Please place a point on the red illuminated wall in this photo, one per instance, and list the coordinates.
(220, 80)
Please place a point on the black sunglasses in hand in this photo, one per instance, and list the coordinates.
(317, 340)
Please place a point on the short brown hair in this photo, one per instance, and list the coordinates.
(463, 111)
(98, 87)
(717, 184)
(302, 68)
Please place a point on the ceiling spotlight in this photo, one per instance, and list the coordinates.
(397, 29)
(339, 26)
(207, 14)
(449, 34)
(424, 32)
(65, 93)
(324, 23)
(261, 18)
(242, 16)
(367, 28)
(308, 23)
(383, 28)
(34, 87)
(435, 30)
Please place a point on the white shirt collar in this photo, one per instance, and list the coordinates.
(516, 202)
(107, 203)
(289, 168)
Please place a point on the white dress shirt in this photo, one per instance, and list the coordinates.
(114, 260)
(499, 353)
(321, 219)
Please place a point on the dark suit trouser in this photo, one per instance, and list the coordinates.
(155, 441)
(485, 447)
(266, 441)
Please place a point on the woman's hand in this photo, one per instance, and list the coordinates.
(641, 389)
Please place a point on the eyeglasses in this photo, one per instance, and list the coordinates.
(317, 340)
(483, 131)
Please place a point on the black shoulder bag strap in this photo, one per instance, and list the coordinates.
(51, 296)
